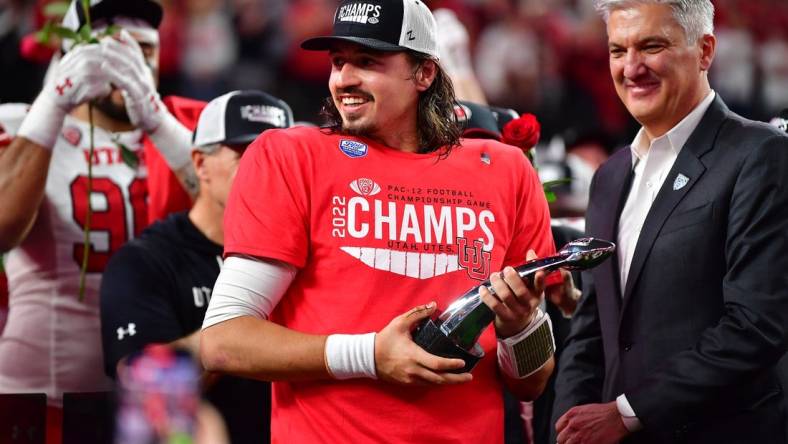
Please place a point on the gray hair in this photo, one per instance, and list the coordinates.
(696, 17)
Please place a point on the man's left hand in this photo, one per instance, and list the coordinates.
(564, 296)
(515, 300)
(126, 67)
(591, 424)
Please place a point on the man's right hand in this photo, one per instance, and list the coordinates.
(400, 360)
(76, 79)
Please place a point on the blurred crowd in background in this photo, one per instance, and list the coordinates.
(546, 57)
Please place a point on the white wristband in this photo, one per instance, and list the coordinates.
(351, 356)
(527, 352)
(43, 122)
(172, 140)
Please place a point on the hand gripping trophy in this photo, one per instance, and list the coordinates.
(454, 333)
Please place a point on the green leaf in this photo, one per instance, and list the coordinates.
(554, 183)
(42, 37)
(86, 10)
(56, 9)
(550, 196)
(179, 438)
(129, 157)
(110, 30)
(45, 34)
(84, 33)
(64, 33)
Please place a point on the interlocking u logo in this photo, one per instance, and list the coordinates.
(474, 259)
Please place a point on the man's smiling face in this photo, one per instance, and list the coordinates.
(658, 76)
(374, 91)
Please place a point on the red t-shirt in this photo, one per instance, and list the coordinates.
(375, 232)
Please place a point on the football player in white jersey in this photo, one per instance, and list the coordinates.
(51, 343)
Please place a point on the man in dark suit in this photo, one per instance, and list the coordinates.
(677, 338)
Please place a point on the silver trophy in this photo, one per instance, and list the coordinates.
(455, 332)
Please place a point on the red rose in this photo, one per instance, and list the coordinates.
(34, 51)
(522, 132)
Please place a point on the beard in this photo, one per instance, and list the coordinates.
(353, 126)
(112, 110)
(358, 128)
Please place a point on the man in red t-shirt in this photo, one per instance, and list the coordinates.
(338, 241)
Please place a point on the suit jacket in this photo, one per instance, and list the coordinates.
(695, 338)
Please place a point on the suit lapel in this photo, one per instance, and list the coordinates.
(616, 185)
(688, 164)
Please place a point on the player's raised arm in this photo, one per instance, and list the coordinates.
(76, 79)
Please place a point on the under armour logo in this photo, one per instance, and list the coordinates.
(474, 259)
(61, 88)
(410, 35)
(154, 103)
(131, 330)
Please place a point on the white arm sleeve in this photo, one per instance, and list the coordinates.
(247, 287)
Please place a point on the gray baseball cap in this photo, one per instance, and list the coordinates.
(238, 117)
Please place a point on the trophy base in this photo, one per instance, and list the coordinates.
(429, 336)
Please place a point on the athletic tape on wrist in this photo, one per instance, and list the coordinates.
(173, 141)
(43, 122)
(526, 352)
(351, 356)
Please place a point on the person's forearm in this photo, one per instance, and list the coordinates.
(260, 349)
(173, 141)
(23, 173)
(529, 388)
(187, 177)
(189, 343)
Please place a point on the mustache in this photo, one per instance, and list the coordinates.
(355, 91)
(634, 81)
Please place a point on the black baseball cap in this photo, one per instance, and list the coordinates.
(105, 11)
(383, 25)
(477, 120)
(238, 117)
(503, 116)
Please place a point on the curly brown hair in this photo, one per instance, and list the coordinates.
(437, 126)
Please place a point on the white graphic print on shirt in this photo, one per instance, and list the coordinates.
(428, 231)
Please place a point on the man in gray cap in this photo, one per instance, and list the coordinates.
(156, 288)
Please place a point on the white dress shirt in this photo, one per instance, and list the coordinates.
(652, 160)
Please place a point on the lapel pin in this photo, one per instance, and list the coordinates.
(485, 158)
(680, 182)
